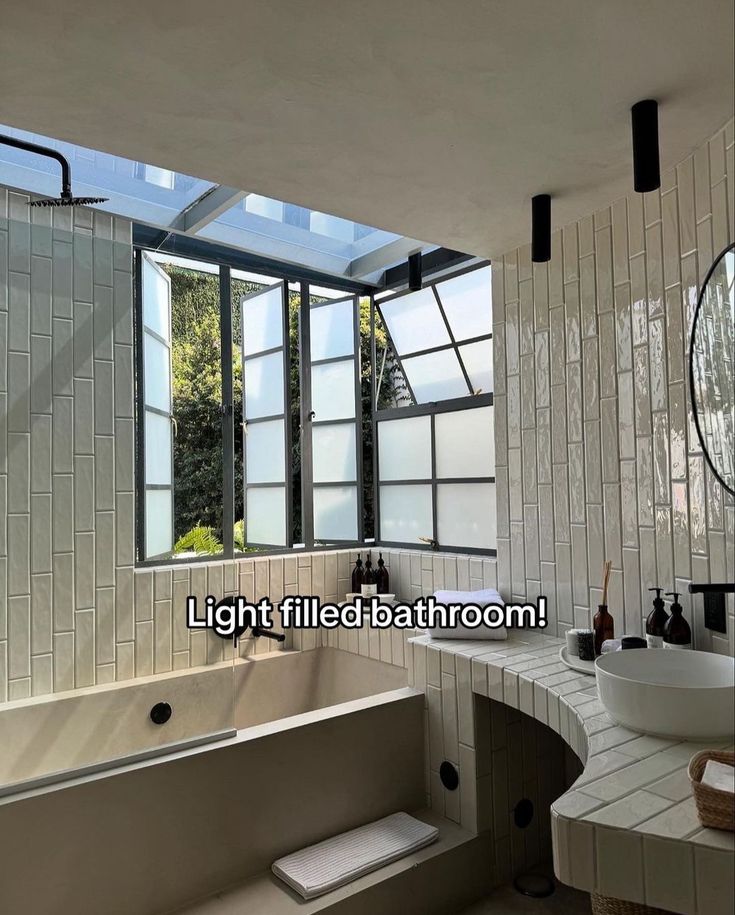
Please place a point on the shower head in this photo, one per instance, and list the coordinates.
(66, 199)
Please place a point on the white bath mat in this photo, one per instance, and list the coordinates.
(320, 868)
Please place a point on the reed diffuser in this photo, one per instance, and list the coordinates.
(603, 623)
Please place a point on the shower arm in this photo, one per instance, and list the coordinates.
(50, 154)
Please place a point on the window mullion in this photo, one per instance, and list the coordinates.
(307, 463)
(227, 407)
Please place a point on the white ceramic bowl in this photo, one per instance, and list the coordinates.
(669, 693)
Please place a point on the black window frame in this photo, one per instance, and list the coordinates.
(431, 409)
(214, 257)
(295, 277)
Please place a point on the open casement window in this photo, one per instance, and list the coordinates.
(435, 460)
(266, 417)
(335, 419)
(442, 336)
(157, 410)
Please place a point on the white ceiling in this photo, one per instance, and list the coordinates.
(436, 120)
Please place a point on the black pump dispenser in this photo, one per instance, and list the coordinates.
(656, 621)
(357, 576)
(677, 633)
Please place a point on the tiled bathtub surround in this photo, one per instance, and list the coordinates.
(596, 452)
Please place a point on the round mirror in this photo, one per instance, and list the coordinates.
(712, 368)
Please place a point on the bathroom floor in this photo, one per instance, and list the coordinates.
(506, 900)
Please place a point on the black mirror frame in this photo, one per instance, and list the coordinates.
(692, 393)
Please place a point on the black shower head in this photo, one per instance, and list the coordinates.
(67, 201)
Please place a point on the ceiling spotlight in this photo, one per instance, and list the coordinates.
(646, 164)
(415, 270)
(541, 228)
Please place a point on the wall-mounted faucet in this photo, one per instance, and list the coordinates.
(715, 611)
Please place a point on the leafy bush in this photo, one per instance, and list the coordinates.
(200, 540)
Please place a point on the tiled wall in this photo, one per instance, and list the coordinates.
(73, 610)
(597, 456)
(66, 447)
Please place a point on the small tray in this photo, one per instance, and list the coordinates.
(584, 667)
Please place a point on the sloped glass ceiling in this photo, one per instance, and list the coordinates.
(192, 206)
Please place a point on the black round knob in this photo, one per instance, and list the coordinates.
(523, 813)
(449, 776)
(161, 712)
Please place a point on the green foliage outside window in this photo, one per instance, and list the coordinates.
(197, 399)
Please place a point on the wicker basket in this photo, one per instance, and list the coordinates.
(606, 905)
(716, 808)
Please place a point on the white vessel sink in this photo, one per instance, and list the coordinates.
(669, 693)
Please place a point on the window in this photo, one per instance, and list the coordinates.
(435, 431)
(436, 472)
(335, 419)
(274, 415)
(442, 336)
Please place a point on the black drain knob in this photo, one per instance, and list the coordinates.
(161, 712)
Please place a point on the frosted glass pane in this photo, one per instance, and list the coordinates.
(415, 322)
(467, 302)
(333, 390)
(465, 443)
(478, 361)
(262, 320)
(334, 453)
(265, 515)
(435, 376)
(265, 452)
(263, 386)
(332, 330)
(157, 449)
(156, 299)
(157, 375)
(335, 513)
(158, 522)
(404, 449)
(406, 513)
(466, 515)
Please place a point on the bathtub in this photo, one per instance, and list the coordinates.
(320, 742)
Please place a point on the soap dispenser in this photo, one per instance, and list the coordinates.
(677, 633)
(357, 576)
(656, 621)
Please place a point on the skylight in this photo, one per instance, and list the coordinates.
(192, 206)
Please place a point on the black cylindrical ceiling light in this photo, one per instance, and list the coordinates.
(646, 164)
(541, 228)
(415, 271)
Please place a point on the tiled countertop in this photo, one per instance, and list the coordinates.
(628, 826)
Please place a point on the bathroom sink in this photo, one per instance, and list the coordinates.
(669, 693)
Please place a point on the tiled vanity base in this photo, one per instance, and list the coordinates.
(628, 826)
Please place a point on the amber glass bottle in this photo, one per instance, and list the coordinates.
(677, 633)
(357, 576)
(656, 621)
(381, 576)
(604, 627)
(369, 585)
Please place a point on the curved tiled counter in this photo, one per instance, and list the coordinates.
(628, 826)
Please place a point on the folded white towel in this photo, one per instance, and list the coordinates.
(481, 598)
(334, 862)
(719, 775)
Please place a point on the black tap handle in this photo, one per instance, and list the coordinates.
(276, 636)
